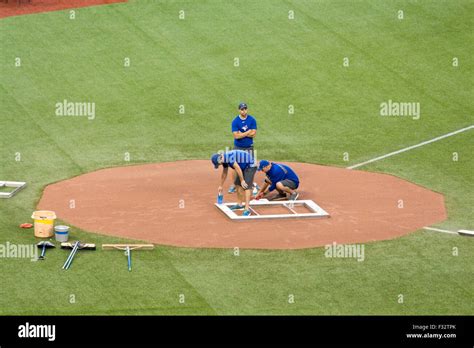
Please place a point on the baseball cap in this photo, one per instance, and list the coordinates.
(263, 163)
(242, 106)
(215, 160)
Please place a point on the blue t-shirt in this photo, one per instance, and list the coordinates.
(242, 158)
(239, 125)
(279, 172)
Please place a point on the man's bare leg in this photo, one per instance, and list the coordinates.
(232, 187)
(247, 199)
(282, 189)
(240, 196)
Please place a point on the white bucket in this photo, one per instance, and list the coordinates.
(62, 233)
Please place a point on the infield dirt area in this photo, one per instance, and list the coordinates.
(173, 204)
(10, 8)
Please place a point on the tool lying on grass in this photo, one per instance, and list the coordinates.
(44, 245)
(466, 233)
(75, 247)
(128, 249)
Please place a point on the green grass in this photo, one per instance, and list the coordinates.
(282, 62)
(6, 189)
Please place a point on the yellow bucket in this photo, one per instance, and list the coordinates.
(44, 223)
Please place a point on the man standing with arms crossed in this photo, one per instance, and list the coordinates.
(244, 129)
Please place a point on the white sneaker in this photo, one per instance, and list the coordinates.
(294, 196)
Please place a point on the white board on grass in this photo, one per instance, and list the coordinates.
(16, 185)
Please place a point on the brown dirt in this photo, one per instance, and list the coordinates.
(142, 202)
(14, 8)
(271, 210)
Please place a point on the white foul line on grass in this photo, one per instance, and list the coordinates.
(459, 232)
(439, 230)
(410, 147)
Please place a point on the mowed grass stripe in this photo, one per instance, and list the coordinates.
(434, 166)
(282, 62)
(42, 133)
(394, 74)
(323, 285)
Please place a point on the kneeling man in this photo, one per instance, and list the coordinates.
(245, 167)
(279, 177)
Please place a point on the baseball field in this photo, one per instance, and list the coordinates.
(165, 79)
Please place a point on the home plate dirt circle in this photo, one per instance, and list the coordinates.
(173, 204)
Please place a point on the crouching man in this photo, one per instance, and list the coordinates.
(245, 167)
(279, 177)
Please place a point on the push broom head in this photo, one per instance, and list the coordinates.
(82, 246)
(130, 246)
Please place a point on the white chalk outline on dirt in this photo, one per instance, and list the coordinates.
(315, 210)
(410, 147)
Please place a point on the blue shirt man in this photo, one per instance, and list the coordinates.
(244, 129)
(244, 166)
(280, 177)
(242, 158)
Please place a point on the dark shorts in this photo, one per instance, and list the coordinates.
(289, 183)
(249, 173)
(248, 149)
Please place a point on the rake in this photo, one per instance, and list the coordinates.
(128, 250)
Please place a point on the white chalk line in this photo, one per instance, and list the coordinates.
(459, 232)
(410, 147)
(439, 230)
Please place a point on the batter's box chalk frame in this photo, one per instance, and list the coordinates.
(15, 185)
(315, 211)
